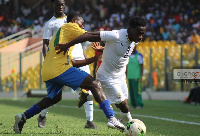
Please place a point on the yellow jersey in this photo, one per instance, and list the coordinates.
(55, 64)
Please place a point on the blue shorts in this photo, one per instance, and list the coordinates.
(72, 78)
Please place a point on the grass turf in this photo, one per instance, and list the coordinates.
(162, 118)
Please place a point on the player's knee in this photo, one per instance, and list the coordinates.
(57, 98)
(96, 84)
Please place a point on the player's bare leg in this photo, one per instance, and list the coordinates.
(100, 97)
(20, 119)
(43, 114)
(124, 108)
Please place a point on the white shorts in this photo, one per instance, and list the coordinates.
(115, 88)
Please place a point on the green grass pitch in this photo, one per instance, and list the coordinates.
(162, 118)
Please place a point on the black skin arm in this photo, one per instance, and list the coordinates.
(80, 63)
(45, 47)
(88, 36)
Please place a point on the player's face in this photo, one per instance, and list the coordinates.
(80, 22)
(59, 7)
(136, 34)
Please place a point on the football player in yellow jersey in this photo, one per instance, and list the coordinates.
(59, 18)
(58, 70)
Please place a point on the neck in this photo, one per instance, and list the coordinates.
(128, 38)
(128, 31)
(59, 15)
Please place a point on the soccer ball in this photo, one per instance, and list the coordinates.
(135, 128)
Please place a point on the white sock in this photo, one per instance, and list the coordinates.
(90, 96)
(44, 112)
(89, 110)
(126, 117)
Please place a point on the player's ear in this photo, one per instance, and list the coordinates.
(73, 20)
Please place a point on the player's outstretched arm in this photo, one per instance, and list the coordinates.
(88, 36)
(80, 63)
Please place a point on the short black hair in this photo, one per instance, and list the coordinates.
(137, 21)
(72, 15)
(52, 1)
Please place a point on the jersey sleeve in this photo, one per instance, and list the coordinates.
(47, 31)
(70, 31)
(140, 58)
(109, 35)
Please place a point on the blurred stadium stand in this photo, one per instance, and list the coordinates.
(172, 38)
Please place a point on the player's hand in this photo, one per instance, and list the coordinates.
(61, 48)
(97, 47)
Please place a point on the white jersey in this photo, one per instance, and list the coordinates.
(52, 26)
(116, 52)
(78, 54)
(111, 72)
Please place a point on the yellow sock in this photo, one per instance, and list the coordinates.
(83, 90)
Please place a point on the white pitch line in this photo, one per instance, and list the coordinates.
(146, 116)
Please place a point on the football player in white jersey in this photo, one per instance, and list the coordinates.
(118, 47)
(51, 27)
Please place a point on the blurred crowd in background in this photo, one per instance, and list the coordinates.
(167, 20)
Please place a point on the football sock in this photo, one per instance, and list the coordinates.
(126, 117)
(90, 96)
(84, 91)
(44, 112)
(89, 110)
(107, 109)
(32, 111)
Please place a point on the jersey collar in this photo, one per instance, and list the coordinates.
(61, 17)
(131, 41)
(128, 39)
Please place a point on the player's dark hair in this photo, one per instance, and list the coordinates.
(52, 1)
(72, 15)
(137, 21)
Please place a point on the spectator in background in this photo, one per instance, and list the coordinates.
(194, 38)
(161, 14)
(172, 35)
(134, 76)
(165, 34)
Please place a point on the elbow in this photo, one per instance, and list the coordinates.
(74, 63)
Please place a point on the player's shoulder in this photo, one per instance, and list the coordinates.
(70, 25)
(123, 30)
(50, 21)
(140, 55)
(121, 33)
